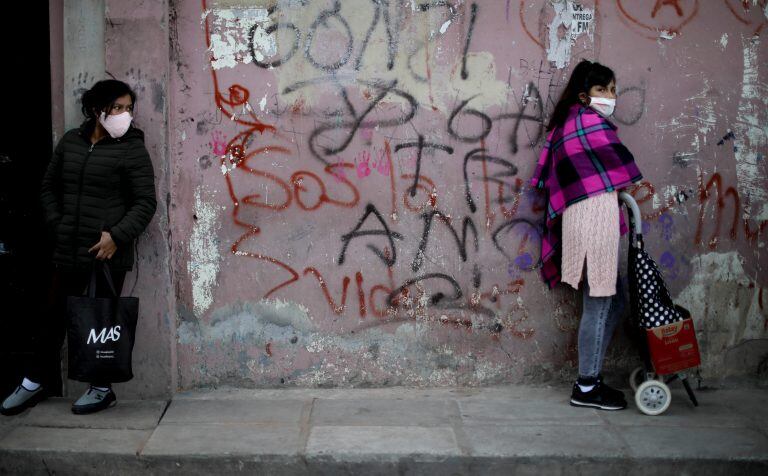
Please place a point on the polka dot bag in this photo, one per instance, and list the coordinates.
(651, 303)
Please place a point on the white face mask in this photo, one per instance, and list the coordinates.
(116, 125)
(604, 106)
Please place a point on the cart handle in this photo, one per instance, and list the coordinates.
(637, 217)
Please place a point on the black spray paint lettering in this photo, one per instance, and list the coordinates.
(326, 20)
(472, 18)
(393, 33)
(479, 155)
(461, 243)
(510, 225)
(383, 88)
(419, 46)
(384, 231)
(439, 299)
(485, 122)
(322, 20)
(532, 96)
(371, 28)
(435, 298)
(477, 276)
(273, 29)
(420, 145)
(728, 136)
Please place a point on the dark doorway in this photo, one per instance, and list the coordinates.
(25, 149)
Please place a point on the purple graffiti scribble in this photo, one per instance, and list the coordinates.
(533, 196)
(667, 261)
(524, 261)
(667, 225)
(512, 270)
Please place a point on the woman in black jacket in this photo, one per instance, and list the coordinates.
(99, 195)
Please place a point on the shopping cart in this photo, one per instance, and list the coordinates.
(663, 331)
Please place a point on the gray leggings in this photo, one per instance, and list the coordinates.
(599, 318)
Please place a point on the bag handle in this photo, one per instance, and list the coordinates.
(635, 220)
(107, 275)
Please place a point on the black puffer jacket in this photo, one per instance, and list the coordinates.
(90, 188)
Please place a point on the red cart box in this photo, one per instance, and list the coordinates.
(673, 347)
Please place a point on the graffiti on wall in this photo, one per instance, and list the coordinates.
(374, 159)
(367, 134)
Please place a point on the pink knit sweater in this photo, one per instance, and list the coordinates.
(591, 231)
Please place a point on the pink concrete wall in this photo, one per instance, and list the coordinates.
(132, 30)
(137, 52)
(326, 156)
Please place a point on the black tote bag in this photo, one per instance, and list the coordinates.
(101, 333)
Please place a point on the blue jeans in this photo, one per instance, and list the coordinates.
(599, 318)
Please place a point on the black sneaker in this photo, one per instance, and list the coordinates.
(598, 397)
(612, 392)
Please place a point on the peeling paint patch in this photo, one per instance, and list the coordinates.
(705, 110)
(665, 35)
(263, 102)
(725, 305)
(305, 354)
(669, 194)
(699, 118)
(570, 21)
(483, 79)
(230, 30)
(257, 323)
(751, 131)
(203, 265)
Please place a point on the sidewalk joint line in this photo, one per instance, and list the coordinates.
(457, 425)
(305, 424)
(167, 405)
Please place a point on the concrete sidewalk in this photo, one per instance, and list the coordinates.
(498, 430)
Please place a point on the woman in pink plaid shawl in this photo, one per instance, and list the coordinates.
(582, 167)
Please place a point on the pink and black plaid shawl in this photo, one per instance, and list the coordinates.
(581, 159)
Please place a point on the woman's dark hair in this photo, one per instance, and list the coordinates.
(585, 75)
(102, 96)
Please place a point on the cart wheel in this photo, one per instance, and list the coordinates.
(636, 378)
(653, 397)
